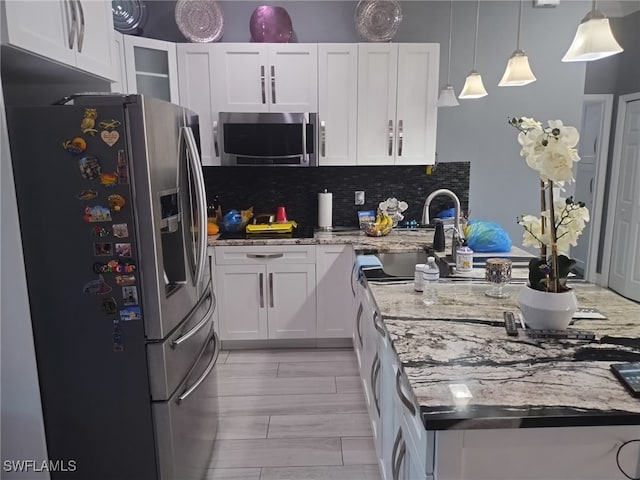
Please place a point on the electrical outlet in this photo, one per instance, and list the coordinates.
(359, 200)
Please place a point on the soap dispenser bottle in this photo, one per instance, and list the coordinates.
(464, 258)
(438, 237)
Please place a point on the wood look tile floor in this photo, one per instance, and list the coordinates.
(288, 414)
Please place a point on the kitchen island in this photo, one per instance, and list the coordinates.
(491, 406)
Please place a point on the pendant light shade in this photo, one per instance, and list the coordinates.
(447, 96)
(593, 41)
(473, 86)
(518, 71)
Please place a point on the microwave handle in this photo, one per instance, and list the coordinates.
(216, 151)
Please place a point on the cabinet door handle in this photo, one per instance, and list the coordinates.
(265, 255)
(271, 289)
(358, 319)
(70, 10)
(591, 185)
(262, 82)
(261, 280)
(400, 135)
(375, 369)
(407, 403)
(390, 137)
(215, 139)
(81, 29)
(323, 139)
(595, 145)
(354, 272)
(394, 452)
(273, 84)
(376, 324)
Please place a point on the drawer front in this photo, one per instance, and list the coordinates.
(276, 254)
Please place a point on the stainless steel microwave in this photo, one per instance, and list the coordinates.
(267, 139)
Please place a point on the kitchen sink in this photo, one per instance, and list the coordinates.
(403, 264)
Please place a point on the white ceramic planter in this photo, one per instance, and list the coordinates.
(546, 310)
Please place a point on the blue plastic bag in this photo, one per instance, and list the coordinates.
(486, 236)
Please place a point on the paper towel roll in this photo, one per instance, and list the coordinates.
(325, 210)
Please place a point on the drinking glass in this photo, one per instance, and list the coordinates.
(497, 272)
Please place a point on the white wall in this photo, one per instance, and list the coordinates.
(22, 436)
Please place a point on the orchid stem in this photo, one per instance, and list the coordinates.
(554, 246)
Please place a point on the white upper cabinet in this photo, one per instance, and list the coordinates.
(195, 78)
(397, 95)
(337, 103)
(151, 68)
(266, 77)
(119, 85)
(76, 33)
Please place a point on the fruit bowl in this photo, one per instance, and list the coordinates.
(376, 229)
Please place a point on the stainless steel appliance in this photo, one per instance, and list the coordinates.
(275, 139)
(113, 220)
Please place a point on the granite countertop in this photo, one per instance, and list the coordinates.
(400, 240)
(515, 382)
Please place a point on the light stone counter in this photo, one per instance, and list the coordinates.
(400, 240)
(515, 381)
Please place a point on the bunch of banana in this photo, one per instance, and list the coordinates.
(382, 225)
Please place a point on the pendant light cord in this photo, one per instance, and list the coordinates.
(450, 32)
(519, 26)
(475, 43)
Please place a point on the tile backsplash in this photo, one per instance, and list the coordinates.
(297, 189)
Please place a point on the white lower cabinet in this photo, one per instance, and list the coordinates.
(264, 293)
(334, 291)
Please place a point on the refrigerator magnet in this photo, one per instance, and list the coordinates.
(116, 202)
(130, 313)
(114, 266)
(120, 230)
(123, 280)
(122, 168)
(97, 214)
(130, 295)
(109, 306)
(103, 249)
(99, 231)
(97, 287)
(110, 137)
(75, 146)
(109, 124)
(108, 180)
(123, 249)
(117, 337)
(87, 126)
(89, 167)
(87, 195)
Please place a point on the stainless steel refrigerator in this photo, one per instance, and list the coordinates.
(112, 213)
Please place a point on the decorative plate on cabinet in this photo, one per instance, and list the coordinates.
(378, 20)
(129, 16)
(199, 20)
(270, 24)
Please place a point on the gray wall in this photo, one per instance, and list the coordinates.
(501, 187)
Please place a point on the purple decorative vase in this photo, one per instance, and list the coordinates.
(270, 24)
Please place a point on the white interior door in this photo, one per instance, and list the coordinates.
(590, 181)
(624, 273)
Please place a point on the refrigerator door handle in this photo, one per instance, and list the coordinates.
(201, 199)
(212, 306)
(206, 372)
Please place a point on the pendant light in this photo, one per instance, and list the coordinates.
(593, 39)
(518, 71)
(447, 94)
(473, 87)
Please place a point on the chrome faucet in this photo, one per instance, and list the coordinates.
(458, 235)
